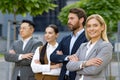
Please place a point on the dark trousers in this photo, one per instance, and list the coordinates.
(18, 77)
(66, 77)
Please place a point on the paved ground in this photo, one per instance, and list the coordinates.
(6, 69)
(3, 69)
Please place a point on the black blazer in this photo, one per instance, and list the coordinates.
(64, 46)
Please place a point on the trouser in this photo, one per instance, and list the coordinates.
(18, 77)
(66, 77)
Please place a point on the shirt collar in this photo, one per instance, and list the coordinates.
(78, 33)
(26, 40)
(49, 45)
(89, 44)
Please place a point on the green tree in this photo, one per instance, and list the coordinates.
(109, 9)
(23, 7)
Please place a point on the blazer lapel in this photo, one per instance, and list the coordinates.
(20, 45)
(68, 43)
(84, 52)
(93, 49)
(78, 42)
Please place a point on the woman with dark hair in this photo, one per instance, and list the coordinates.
(41, 64)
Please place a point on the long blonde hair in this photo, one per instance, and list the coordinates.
(102, 22)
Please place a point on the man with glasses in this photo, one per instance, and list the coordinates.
(22, 51)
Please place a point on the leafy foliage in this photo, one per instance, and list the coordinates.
(34, 7)
(109, 9)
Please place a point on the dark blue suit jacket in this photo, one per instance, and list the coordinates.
(64, 46)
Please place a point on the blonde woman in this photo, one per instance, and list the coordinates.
(92, 58)
(41, 65)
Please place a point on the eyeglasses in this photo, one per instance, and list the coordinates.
(23, 28)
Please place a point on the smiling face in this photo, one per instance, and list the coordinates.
(50, 35)
(94, 29)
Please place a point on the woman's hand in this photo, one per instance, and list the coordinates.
(73, 58)
(55, 66)
(37, 61)
(59, 52)
(94, 62)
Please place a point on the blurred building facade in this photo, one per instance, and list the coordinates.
(41, 21)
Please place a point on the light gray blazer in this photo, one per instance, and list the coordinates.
(22, 65)
(101, 50)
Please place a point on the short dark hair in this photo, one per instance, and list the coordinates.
(29, 22)
(79, 12)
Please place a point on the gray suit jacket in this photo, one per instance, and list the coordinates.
(101, 50)
(22, 65)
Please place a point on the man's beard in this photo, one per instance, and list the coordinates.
(73, 27)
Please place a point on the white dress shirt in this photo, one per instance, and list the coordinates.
(89, 48)
(45, 68)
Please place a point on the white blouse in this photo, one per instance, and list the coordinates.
(44, 68)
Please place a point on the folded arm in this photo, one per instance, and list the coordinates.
(94, 65)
